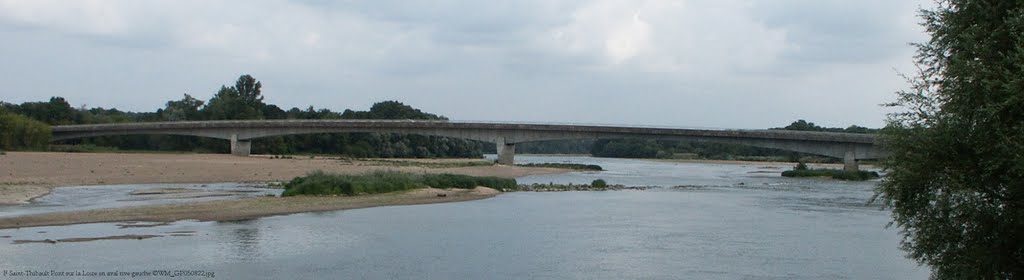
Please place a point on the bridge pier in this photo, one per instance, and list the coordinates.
(850, 162)
(240, 147)
(506, 153)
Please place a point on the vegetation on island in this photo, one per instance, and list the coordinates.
(801, 170)
(596, 185)
(573, 166)
(320, 183)
(244, 101)
(955, 179)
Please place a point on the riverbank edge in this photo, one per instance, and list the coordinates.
(25, 196)
(245, 209)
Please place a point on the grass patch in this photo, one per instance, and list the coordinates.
(801, 170)
(574, 166)
(320, 183)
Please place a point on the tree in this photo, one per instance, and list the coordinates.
(241, 102)
(186, 109)
(20, 132)
(55, 112)
(392, 110)
(803, 125)
(956, 153)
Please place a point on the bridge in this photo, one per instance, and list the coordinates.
(850, 147)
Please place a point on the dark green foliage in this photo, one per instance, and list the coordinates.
(956, 152)
(645, 148)
(860, 175)
(466, 182)
(599, 183)
(186, 109)
(574, 166)
(55, 112)
(241, 102)
(320, 183)
(391, 110)
(800, 166)
(802, 125)
(20, 132)
(626, 148)
(801, 170)
(832, 173)
(244, 101)
(581, 146)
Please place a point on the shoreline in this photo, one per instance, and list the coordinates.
(25, 176)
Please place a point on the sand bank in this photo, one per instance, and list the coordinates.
(25, 175)
(227, 210)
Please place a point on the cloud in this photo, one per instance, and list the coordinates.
(750, 63)
(673, 37)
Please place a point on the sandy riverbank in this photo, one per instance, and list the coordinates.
(25, 175)
(228, 210)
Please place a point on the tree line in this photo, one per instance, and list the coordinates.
(243, 101)
(25, 125)
(648, 148)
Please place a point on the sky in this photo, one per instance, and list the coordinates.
(683, 63)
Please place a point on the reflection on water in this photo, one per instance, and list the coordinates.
(242, 242)
(740, 226)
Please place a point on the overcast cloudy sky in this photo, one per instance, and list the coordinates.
(706, 63)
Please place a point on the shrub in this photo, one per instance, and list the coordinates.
(832, 173)
(320, 183)
(20, 132)
(575, 166)
(466, 182)
(800, 166)
(599, 183)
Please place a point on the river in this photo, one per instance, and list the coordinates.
(724, 221)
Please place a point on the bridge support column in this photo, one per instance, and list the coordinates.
(850, 162)
(240, 147)
(506, 153)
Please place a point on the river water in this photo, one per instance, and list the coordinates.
(724, 221)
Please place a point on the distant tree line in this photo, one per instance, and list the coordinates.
(648, 148)
(802, 125)
(243, 101)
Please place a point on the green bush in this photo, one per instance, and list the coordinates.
(832, 173)
(465, 181)
(800, 166)
(574, 166)
(320, 183)
(20, 132)
(599, 183)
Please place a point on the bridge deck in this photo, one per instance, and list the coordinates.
(421, 124)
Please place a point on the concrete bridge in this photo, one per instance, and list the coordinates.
(849, 147)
